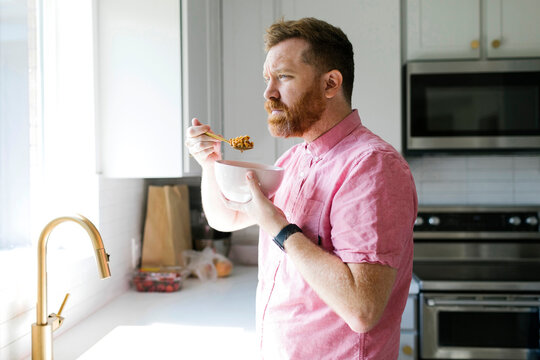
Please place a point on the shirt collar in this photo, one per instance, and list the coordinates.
(318, 147)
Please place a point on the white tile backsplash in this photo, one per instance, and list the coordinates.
(477, 180)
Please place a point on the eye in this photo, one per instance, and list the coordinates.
(283, 76)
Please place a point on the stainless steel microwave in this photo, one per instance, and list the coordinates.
(472, 106)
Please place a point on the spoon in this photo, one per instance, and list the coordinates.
(239, 143)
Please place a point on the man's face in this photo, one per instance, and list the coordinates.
(294, 93)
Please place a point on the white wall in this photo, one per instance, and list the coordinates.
(121, 216)
(373, 28)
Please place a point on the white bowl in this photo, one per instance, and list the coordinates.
(231, 179)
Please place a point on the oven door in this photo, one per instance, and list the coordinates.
(479, 326)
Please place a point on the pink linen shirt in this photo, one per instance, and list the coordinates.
(354, 196)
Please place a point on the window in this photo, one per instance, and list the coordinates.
(14, 126)
(47, 118)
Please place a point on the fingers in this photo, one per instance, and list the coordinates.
(197, 129)
(201, 150)
(204, 148)
(254, 184)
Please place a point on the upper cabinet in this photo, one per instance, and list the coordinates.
(157, 68)
(442, 29)
(512, 28)
(139, 88)
(471, 29)
(163, 62)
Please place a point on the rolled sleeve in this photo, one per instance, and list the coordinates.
(371, 211)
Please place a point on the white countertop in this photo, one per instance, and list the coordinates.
(204, 320)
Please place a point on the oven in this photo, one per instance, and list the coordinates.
(478, 270)
(479, 326)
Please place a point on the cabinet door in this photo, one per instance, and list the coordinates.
(512, 28)
(139, 88)
(407, 346)
(159, 66)
(443, 29)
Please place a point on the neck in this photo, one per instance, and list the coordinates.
(329, 118)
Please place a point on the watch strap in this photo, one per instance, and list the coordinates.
(284, 235)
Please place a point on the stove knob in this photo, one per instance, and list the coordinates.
(419, 221)
(531, 220)
(434, 220)
(514, 220)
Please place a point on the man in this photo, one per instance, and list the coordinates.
(335, 247)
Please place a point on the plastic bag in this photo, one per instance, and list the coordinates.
(207, 264)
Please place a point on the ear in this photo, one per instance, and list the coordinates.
(333, 80)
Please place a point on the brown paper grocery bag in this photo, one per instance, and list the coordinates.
(167, 229)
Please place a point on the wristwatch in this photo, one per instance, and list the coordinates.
(285, 233)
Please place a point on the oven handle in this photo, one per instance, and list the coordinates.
(505, 303)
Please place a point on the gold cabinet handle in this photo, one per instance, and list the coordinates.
(496, 43)
(475, 44)
(407, 350)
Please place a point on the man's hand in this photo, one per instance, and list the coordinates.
(203, 148)
(207, 150)
(261, 210)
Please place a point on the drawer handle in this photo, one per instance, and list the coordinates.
(504, 303)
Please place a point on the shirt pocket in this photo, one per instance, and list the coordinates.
(309, 217)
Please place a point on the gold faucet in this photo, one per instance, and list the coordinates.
(44, 326)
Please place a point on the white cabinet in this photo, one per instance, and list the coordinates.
(139, 88)
(471, 29)
(407, 346)
(158, 66)
(165, 62)
(409, 327)
(443, 29)
(512, 28)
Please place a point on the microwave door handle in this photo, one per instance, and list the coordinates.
(505, 303)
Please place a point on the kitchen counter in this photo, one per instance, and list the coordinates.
(204, 320)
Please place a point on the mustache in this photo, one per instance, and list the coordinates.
(273, 104)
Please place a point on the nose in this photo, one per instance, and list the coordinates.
(271, 91)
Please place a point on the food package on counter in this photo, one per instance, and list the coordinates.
(207, 264)
(167, 228)
(151, 281)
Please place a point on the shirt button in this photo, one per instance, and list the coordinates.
(302, 174)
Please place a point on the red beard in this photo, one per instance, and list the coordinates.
(295, 120)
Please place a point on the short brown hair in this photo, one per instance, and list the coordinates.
(329, 46)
